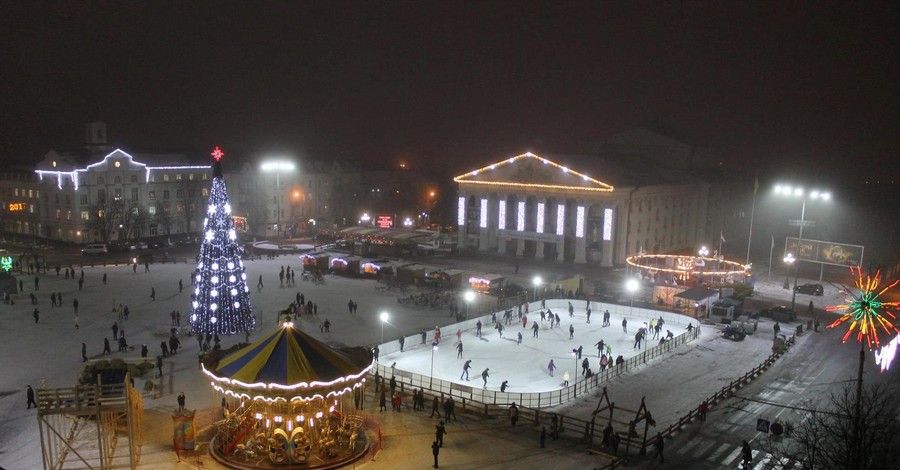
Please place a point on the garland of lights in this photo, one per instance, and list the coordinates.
(861, 309)
(221, 303)
(463, 178)
(685, 264)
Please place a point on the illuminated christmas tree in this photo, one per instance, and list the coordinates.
(222, 298)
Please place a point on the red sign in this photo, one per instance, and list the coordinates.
(384, 221)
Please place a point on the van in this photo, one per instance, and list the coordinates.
(95, 249)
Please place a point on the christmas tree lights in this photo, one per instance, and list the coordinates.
(221, 303)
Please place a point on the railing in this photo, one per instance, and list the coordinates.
(80, 399)
(577, 387)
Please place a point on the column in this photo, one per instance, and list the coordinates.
(520, 225)
(502, 207)
(606, 245)
(540, 214)
(461, 221)
(484, 222)
(561, 231)
(580, 235)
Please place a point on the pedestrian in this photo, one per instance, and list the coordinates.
(513, 414)
(625, 325)
(134, 267)
(543, 436)
(606, 318)
(75, 305)
(435, 450)
(504, 385)
(551, 367)
(77, 323)
(585, 365)
(589, 315)
(382, 401)
(519, 338)
(401, 340)
(451, 409)
(702, 409)
(123, 345)
(393, 385)
(259, 285)
(534, 330)
(437, 334)
(484, 376)
(106, 348)
(459, 349)
(181, 400)
(350, 306)
(29, 395)
(571, 331)
(477, 331)
(37, 283)
(37, 315)
(153, 293)
(746, 455)
(566, 379)
(53, 299)
(375, 352)
(80, 283)
(435, 407)
(180, 286)
(424, 335)
(115, 329)
(165, 348)
(777, 328)
(659, 444)
(439, 433)
(83, 352)
(144, 350)
(146, 266)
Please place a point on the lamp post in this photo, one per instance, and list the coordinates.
(537, 281)
(788, 262)
(434, 347)
(631, 285)
(799, 192)
(469, 296)
(277, 167)
(384, 318)
(703, 252)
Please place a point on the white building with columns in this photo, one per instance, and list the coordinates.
(566, 209)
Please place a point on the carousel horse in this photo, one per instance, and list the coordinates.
(278, 444)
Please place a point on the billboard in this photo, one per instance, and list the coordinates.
(818, 251)
(384, 221)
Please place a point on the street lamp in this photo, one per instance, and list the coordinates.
(277, 167)
(799, 192)
(788, 261)
(537, 281)
(469, 296)
(704, 251)
(384, 318)
(434, 347)
(631, 285)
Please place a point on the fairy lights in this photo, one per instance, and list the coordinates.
(501, 215)
(864, 310)
(607, 224)
(461, 211)
(590, 184)
(560, 219)
(520, 216)
(579, 222)
(683, 265)
(540, 218)
(483, 215)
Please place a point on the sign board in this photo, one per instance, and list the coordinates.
(384, 221)
(818, 251)
(804, 223)
(762, 425)
(16, 206)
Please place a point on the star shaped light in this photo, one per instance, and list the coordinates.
(865, 312)
(217, 153)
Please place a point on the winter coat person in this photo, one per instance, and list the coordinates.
(439, 433)
(484, 376)
(513, 414)
(181, 401)
(435, 450)
(435, 407)
(29, 395)
(551, 367)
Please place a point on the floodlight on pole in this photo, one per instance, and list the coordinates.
(384, 318)
(786, 190)
(631, 285)
(434, 347)
(469, 296)
(537, 281)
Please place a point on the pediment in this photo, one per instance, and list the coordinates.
(530, 170)
(117, 159)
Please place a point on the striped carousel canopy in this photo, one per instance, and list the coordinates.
(289, 357)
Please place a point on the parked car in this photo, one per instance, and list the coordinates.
(95, 249)
(779, 314)
(810, 289)
(734, 333)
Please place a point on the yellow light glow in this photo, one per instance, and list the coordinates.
(603, 187)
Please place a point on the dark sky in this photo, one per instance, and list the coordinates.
(455, 84)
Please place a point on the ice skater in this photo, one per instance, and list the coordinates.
(465, 372)
(459, 349)
(484, 376)
(625, 325)
(551, 367)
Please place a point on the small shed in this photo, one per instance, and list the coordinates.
(411, 273)
(447, 278)
(346, 265)
(484, 282)
(377, 267)
(315, 261)
(701, 298)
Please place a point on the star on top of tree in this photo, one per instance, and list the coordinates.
(217, 153)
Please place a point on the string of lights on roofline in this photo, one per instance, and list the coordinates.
(73, 174)
(603, 187)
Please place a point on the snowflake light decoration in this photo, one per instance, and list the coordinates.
(863, 309)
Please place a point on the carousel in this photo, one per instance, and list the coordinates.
(291, 410)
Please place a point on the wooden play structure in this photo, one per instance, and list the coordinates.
(90, 427)
(625, 425)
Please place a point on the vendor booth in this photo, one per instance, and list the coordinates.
(445, 278)
(377, 268)
(346, 265)
(297, 403)
(411, 273)
(315, 261)
(486, 282)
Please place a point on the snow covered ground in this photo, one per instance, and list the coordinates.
(50, 350)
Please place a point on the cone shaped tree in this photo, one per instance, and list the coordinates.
(221, 302)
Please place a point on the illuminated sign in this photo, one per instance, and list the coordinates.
(6, 263)
(384, 221)
(885, 355)
(16, 206)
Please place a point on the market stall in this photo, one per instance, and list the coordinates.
(377, 267)
(411, 273)
(444, 278)
(485, 282)
(315, 261)
(346, 265)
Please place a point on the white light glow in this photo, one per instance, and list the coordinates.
(230, 266)
(560, 219)
(277, 165)
(501, 215)
(885, 355)
(214, 279)
(213, 307)
(209, 235)
(232, 278)
(215, 266)
(227, 208)
(461, 211)
(211, 209)
(579, 222)
(540, 218)
(195, 304)
(233, 291)
(607, 224)
(232, 234)
(213, 293)
(194, 316)
(483, 216)
(520, 216)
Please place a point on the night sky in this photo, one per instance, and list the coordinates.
(451, 85)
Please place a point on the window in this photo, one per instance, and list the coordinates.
(151, 178)
(151, 210)
(190, 177)
(68, 215)
(100, 180)
(30, 193)
(151, 195)
(166, 177)
(178, 177)
(153, 230)
(57, 214)
(118, 193)
(134, 194)
(68, 200)
(134, 178)
(191, 193)
(84, 199)
(166, 194)
(118, 180)
(85, 216)
(101, 196)
(204, 177)
(179, 194)
(204, 192)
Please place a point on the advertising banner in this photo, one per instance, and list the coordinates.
(818, 251)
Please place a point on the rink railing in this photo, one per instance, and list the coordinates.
(578, 386)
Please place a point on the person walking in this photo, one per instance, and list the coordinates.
(37, 315)
(153, 294)
(29, 395)
(571, 331)
(159, 364)
(702, 409)
(382, 401)
(439, 433)
(746, 455)
(777, 328)
(659, 444)
(435, 450)
(435, 407)
(259, 285)
(534, 330)
(543, 436)
(519, 338)
(75, 305)
(625, 325)
(83, 352)
(513, 414)
(551, 367)
(181, 401)
(465, 371)
(144, 350)
(484, 376)
(106, 348)
(115, 329)
(459, 349)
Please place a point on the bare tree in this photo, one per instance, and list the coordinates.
(104, 216)
(165, 217)
(132, 218)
